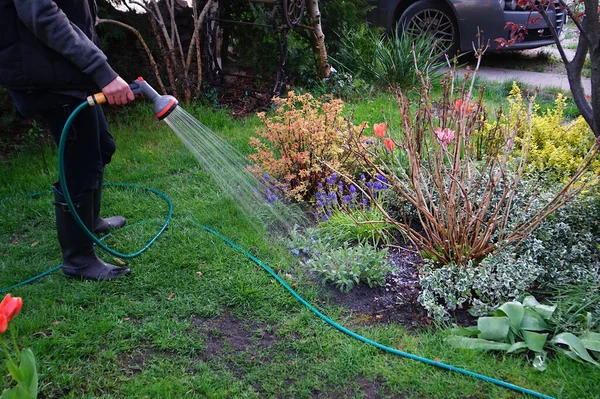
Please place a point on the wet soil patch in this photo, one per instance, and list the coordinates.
(396, 301)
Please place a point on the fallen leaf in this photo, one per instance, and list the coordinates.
(437, 359)
(203, 262)
(35, 243)
(171, 295)
(126, 319)
(56, 322)
(119, 261)
(199, 274)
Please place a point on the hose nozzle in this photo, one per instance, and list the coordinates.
(163, 104)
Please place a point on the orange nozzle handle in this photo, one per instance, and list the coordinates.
(98, 98)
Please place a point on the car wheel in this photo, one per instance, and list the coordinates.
(430, 18)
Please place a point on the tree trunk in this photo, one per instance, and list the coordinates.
(318, 39)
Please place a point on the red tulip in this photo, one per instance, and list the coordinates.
(3, 323)
(379, 129)
(389, 144)
(10, 307)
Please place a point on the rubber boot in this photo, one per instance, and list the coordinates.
(104, 225)
(79, 257)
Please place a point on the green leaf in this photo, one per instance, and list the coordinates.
(591, 341)
(17, 392)
(535, 341)
(514, 311)
(476, 343)
(545, 311)
(15, 372)
(465, 331)
(29, 372)
(575, 345)
(493, 328)
(533, 321)
(516, 347)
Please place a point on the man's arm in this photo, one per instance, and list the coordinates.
(52, 27)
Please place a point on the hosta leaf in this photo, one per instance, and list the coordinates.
(516, 347)
(514, 311)
(465, 331)
(493, 328)
(533, 321)
(545, 311)
(591, 341)
(476, 343)
(535, 341)
(575, 345)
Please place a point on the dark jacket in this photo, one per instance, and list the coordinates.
(49, 45)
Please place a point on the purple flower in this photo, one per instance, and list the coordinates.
(334, 177)
(369, 184)
(327, 201)
(320, 204)
(346, 198)
(329, 211)
(318, 195)
(333, 196)
(296, 252)
(362, 177)
(381, 178)
(325, 217)
(320, 185)
(352, 189)
(266, 176)
(377, 185)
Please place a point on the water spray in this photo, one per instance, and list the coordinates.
(195, 135)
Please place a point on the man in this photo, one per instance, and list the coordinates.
(50, 62)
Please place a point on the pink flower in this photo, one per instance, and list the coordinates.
(389, 144)
(379, 129)
(444, 136)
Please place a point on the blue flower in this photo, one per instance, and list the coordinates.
(296, 252)
(266, 176)
(325, 217)
(329, 211)
(381, 178)
(362, 177)
(369, 184)
(333, 196)
(320, 204)
(347, 198)
(318, 195)
(327, 201)
(320, 185)
(334, 176)
(378, 185)
(352, 189)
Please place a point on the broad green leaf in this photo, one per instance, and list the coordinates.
(575, 345)
(17, 392)
(15, 372)
(535, 341)
(476, 343)
(465, 331)
(516, 347)
(493, 328)
(533, 321)
(569, 353)
(29, 371)
(545, 311)
(514, 311)
(591, 341)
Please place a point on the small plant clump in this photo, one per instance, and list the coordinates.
(339, 263)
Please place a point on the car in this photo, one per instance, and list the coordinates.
(455, 23)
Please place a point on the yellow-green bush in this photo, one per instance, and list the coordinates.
(557, 146)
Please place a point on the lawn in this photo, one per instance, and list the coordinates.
(196, 318)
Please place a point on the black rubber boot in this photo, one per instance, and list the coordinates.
(79, 257)
(104, 225)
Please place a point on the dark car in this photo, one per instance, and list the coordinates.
(455, 23)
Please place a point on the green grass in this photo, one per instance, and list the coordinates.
(231, 332)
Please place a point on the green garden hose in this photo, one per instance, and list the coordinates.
(61, 150)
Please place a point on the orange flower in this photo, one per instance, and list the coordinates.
(389, 144)
(465, 106)
(10, 307)
(379, 129)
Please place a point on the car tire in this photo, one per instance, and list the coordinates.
(431, 18)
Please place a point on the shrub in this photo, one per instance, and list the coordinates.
(297, 141)
(557, 147)
(463, 176)
(387, 61)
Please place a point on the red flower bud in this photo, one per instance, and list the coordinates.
(10, 307)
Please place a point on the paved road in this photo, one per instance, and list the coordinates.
(538, 79)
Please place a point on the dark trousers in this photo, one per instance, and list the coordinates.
(89, 147)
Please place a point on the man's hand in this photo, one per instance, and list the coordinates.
(118, 92)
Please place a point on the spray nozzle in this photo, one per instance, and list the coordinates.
(163, 104)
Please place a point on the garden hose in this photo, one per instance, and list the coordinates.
(61, 151)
